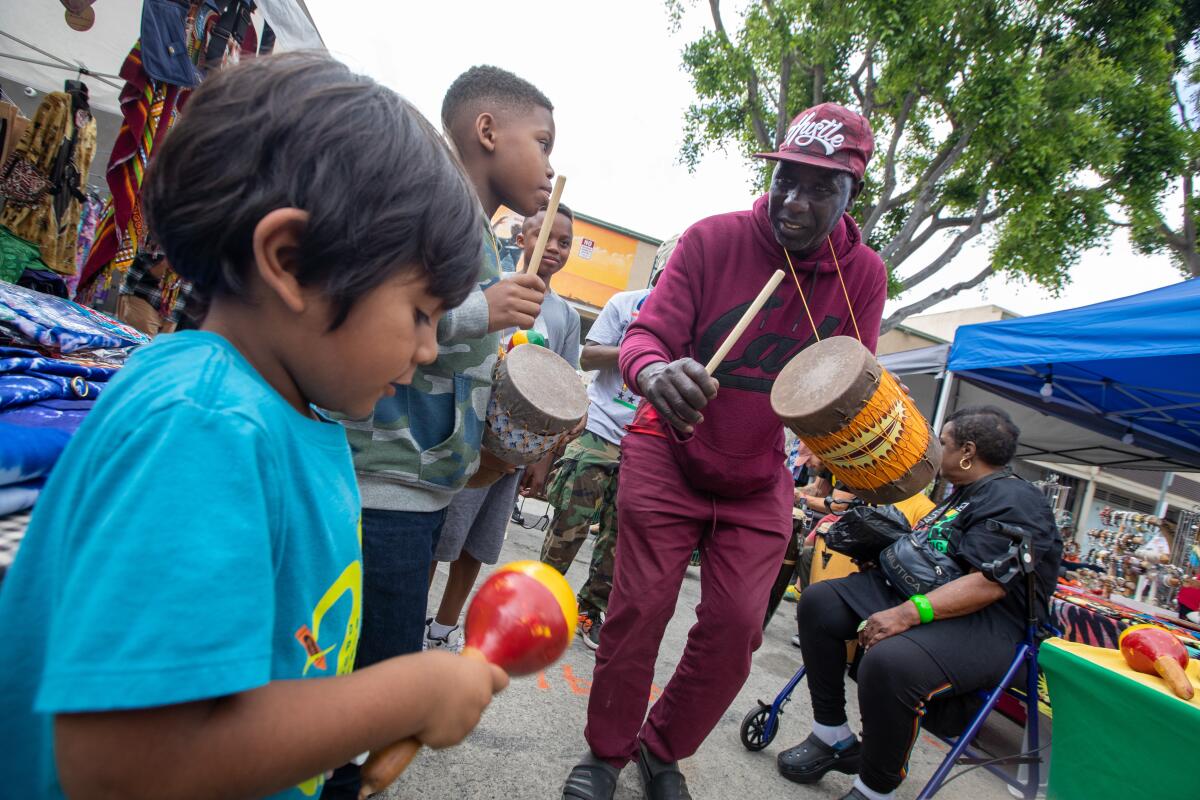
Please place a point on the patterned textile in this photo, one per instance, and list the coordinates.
(60, 326)
(169, 294)
(16, 256)
(1091, 620)
(26, 377)
(28, 453)
(12, 531)
(150, 108)
(89, 220)
(30, 180)
(20, 496)
(62, 415)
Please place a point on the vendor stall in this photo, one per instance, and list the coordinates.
(78, 59)
(1118, 734)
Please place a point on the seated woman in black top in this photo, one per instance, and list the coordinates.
(977, 622)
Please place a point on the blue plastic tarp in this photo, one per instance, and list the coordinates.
(1128, 368)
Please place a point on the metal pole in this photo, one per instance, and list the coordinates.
(940, 413)
(1161, 510)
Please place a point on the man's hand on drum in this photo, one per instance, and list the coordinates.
(678, 391)
(514, 302)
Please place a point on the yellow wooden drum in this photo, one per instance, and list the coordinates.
(855, 417)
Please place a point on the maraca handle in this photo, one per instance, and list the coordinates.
(1175, 676)
(384, 766)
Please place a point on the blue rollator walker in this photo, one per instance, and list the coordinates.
(761, 724)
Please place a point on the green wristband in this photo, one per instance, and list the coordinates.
(924, 607)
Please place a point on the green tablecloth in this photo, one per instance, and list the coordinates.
(1118, 735)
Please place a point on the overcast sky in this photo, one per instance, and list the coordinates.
(613, 72)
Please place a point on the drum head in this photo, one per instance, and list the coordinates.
(825, 386)
(546, 385)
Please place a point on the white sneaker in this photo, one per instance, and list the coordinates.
(452, 642)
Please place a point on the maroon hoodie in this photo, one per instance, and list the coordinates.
(718, 267)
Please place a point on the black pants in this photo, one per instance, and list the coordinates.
(895, 679)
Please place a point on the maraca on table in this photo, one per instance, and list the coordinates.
(1152, 650)
(521, 619)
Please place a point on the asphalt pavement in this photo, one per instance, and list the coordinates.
(533, 732)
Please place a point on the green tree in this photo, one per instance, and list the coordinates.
(1028, 123)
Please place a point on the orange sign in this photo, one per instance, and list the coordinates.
(600, 263)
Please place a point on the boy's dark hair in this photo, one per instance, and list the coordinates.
(991, 429)
(486, 82)
(562, 209)
(300, 130)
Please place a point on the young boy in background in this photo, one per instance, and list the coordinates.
(422, 445)
(473, 533)
(161, 645)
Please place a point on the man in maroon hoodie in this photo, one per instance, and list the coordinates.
(705, 468)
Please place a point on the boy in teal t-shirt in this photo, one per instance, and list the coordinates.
(195, 553)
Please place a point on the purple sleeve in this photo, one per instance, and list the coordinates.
(663, 329)
(869, 309)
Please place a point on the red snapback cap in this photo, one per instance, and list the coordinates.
(830, 136)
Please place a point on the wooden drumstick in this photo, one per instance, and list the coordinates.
(744, 322)
(547, 224)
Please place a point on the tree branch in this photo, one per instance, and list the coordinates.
(889, 166)
(951, 252)
(781, 113)
(927, 186)
(916, 244)
(868, 102)
(760, 128)
(932, 300)
(1181, 106)
(818, 91)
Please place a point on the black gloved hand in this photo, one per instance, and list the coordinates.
(678, 391)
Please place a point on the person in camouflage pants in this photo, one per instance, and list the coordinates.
(583, 489)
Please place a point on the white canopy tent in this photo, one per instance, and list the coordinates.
(40, 50)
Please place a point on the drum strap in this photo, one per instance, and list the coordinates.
(841, 280)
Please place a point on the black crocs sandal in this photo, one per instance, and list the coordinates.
(661, 780)
(590, 779)
(808, 761)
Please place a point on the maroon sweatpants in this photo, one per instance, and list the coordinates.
(661, 520)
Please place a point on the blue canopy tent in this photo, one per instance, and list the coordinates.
(1127, 369)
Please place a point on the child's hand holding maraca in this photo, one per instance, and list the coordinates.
(521, 620)
(466, 687)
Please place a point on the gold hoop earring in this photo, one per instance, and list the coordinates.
(964, 463)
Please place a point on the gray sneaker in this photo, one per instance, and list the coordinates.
(590, 623)
(452, 642)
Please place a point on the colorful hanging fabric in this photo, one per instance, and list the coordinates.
(89, 220)
(149, 108)
(34, 176)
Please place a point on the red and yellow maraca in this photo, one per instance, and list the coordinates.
(1152, 650)
(521, 619)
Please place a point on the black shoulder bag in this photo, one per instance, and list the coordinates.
(912, 566)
